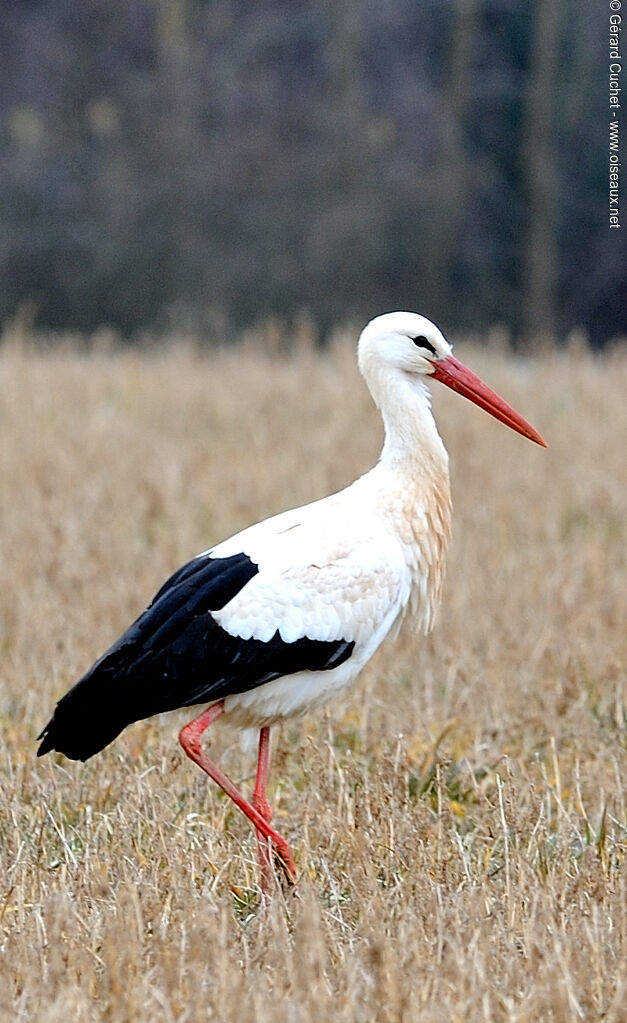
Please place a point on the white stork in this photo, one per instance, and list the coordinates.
(276, 620)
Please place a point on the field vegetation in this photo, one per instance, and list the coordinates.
(458, 820)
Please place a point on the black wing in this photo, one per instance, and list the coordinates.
(176, 655)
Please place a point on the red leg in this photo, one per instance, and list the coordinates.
(260, 799)
(260, 802)
(190, 741)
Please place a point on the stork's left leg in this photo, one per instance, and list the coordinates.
(260, 802)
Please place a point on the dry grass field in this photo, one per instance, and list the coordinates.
(458, 821)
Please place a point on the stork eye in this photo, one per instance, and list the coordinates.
(422, 342)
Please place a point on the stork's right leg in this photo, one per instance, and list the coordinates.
(260, 802)
(189, 738)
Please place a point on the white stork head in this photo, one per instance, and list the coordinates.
(405, 341)
(400, 348)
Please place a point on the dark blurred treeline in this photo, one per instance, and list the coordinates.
(180, 163)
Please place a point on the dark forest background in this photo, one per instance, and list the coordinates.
(185, 164)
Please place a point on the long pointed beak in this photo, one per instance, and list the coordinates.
(456, 376)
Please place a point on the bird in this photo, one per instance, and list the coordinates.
(280, 618)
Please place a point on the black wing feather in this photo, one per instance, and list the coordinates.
(176, 655)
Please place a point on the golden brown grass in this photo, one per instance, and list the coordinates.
(459, 821)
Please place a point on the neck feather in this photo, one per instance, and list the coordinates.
(412, 440)
(413, 483)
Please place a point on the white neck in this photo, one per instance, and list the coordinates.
(412, 442)
(412, 482)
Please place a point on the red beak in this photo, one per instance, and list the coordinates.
(456, 376)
